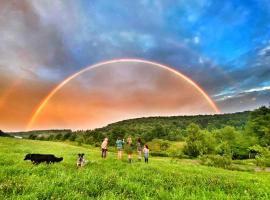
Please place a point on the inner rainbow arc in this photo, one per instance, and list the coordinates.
(58, 87)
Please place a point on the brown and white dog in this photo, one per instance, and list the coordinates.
(81, 161)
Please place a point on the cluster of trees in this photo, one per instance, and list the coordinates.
(251, 142)
(51, 135)
(2, 134)
(225, 141)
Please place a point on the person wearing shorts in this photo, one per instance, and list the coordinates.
(129, 149)
(104, 147)
(119, 145)
(139, 149)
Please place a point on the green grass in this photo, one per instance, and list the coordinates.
(162, 178)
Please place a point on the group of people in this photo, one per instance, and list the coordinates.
(128, 146)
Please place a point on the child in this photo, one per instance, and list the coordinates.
(119, 144)
(129, 149)
(146, 153)
(104, 147)
(139, 149)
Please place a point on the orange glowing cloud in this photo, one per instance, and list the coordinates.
(18, 98)
(117, 90)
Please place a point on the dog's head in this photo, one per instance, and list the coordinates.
(81, 155)
(27, 157)
(59, 159)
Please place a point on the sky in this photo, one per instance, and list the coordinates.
(223, 46)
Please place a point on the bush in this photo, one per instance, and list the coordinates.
(32, 137)
(262, 155)
(176, 153)
(216, 161)
(59, 136)
(158, 145)
(66, 136)
(262, 161)
(79, 141)
(73, 137)
(198, 142)
(51, 137)
(160, 154)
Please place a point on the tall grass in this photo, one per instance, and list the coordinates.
(113, 179)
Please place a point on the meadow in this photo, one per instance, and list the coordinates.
(162, 178)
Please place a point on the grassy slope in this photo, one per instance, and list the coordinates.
(113, 179)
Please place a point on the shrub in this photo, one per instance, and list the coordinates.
(66, 136)
(176, 153)
(32, 137)
(59, 136)
(158, 145)
(198, 142)
(262, 155)
(159, 153)
(79, 141)
(216, 161)
(262, 161)
(73, 137)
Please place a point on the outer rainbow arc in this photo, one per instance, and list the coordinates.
(58, 87)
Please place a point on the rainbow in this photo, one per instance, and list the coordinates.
(58, 87)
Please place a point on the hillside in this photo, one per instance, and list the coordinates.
(162, 178)
(38, 132)
(237, 120)
(147, 124)
(2, 134)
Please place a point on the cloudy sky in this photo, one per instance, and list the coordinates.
(224, 46)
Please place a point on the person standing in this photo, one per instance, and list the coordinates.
(146, 153)
(104, 147)
(119, 144)
(139, 149)
(129, 149)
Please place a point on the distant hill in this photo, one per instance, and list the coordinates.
(38, 132)
(237, 120)
(2, 134)
(170, 125)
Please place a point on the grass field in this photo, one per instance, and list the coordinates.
(110, 179)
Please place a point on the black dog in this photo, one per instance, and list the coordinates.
(39, 158)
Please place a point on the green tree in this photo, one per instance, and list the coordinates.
(73, 137)
(51, 137)
(259, 125)
(58, 136)
(159, 131)
(32, 137)
(198, 142)
(233, 142)
(116, 132)
(66, 136)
